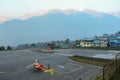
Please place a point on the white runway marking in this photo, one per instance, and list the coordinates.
(30, 65)
(44, 57)
(73, 70)
(1, 72)
(63, 54)
(68, 71)
(106, 56)
(113, 51)
(60, 66)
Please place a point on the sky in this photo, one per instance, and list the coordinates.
(11, 9)
(26, 9)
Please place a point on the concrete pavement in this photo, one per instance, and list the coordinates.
(18, 65)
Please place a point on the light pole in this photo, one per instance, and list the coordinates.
(116, 60)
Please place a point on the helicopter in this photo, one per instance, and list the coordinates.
(39, 66)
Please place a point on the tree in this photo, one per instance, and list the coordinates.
(2, 48)
(77, 42)
(95, 36)
(33, 45)
(9, 47)
(67, 41)
(108, 44)
(51, 45)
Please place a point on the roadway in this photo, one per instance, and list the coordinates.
(108, 54)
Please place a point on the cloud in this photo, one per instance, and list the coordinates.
(68, 12)
(51, 11)
(2, 19)
(117, 14)
(38, 13)
(92, 12)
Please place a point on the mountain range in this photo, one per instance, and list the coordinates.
(57, 25)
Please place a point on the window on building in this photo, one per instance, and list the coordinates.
(87, 43)
(84, 43)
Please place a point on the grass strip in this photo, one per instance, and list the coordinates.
(91, 60)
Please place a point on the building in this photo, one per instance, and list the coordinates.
(102, 42)
(86, 43)
(114, 43)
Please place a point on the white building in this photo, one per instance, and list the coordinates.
(86, 43)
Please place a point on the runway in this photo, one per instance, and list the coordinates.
(18, 65)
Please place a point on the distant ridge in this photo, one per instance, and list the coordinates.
(58, 25)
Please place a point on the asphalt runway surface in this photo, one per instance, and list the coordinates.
(18, 65)
(107, 54)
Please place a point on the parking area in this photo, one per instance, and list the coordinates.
(18, 65)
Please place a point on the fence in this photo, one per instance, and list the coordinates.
(110, 68)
